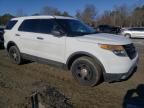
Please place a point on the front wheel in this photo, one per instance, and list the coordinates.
(86, 71)
(14, 55)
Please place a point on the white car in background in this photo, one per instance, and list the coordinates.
(136, 32)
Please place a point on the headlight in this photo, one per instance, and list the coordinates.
(116, 49)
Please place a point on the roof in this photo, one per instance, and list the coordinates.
(42, 17)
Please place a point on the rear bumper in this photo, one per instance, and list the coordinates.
(108, 77)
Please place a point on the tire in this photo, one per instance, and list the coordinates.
(15, 55)
(128, 35)
(86, 71)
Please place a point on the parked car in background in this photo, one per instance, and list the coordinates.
(135, 32)
(108, 29)
(1, 36)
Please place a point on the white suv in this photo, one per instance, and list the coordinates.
(68, 43)
(133, 32)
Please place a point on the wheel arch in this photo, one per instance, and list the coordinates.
(76, 55)
(128, 34)
(9, 44)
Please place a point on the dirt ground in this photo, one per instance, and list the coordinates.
(19, 82)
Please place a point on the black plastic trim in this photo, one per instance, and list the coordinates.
(42, 60)
(11, 42)
(118, 77)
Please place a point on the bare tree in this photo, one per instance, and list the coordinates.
(88, 15)
(121, 15)
(105, 18)
(65, 13)
(20, 13)
(117, 17)
(137, 17)
(5, 18)
(50, 11)
(78, 14)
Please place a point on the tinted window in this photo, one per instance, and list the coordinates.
(132, 29)
(47, 25)
(29, 25)
(137, 29)
(141, 29)
(75, 27)
(11, 24)
(39, 26)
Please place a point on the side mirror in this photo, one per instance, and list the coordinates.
(56, 33)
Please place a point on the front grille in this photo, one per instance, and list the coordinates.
(131, 51)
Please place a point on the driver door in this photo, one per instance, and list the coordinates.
(49, 46)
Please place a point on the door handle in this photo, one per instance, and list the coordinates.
(40, 38)
(17, 34)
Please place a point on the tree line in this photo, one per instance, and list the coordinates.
(121, 16)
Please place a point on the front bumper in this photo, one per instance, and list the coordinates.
(108, 77)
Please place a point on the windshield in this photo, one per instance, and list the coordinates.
(75, 27)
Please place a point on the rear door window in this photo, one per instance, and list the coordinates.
(136, 29)
(11, 24)
(46, 26)
(29, 25)
(141, 29)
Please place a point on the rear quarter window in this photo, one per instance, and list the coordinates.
(11, 24)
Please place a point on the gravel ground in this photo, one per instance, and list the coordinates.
(17, 83)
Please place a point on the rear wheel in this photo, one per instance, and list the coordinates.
(86, 71)
(14, 55)
(128, 35)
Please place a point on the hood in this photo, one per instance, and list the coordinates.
(105, 38)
